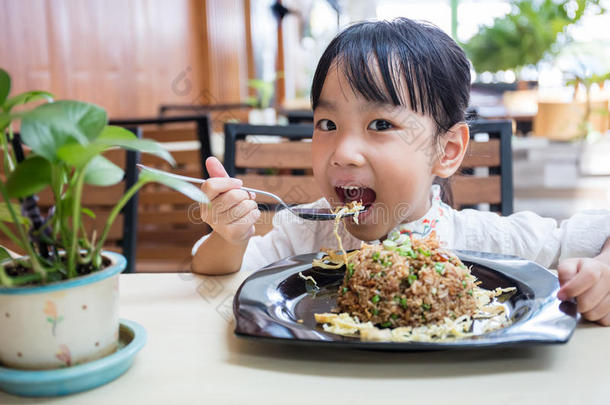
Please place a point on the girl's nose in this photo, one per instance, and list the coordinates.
(348, 151)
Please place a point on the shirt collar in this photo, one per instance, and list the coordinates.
(424, 226)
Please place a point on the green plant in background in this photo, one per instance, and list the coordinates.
(586, 128)
(264, 92)
(67, 140)
(526, 34)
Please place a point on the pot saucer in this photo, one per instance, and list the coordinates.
(70, 380)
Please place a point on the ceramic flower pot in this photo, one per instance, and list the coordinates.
(61, 324)
(563, 121)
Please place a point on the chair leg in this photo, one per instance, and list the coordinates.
(204, 134)
(130, 210)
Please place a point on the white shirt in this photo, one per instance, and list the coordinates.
(523, 234)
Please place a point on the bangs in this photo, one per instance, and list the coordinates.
(380, 75)
(401, 63)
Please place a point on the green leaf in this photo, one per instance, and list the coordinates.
(30, 176)
(5, 215)
(77, 155)
(102, 172)
(117, 136)
(50, 126)
(189, 190)
(112, 132)
(525, 35)
(4, 278)
(27, 97)
(88, 212)
(4, 254)
(5, 86)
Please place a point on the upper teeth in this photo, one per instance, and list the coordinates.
(350, 187)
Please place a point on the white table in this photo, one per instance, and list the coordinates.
(192, 356)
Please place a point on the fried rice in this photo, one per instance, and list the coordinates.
(411, 283)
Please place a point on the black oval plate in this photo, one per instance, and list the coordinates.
(270, 303)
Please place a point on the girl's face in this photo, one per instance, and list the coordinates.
(376, 153)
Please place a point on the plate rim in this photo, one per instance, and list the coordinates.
(495, 262)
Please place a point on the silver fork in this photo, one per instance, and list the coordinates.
(317, 214)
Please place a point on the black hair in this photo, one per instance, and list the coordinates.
(418, 55)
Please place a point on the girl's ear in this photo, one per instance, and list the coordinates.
(452, 148)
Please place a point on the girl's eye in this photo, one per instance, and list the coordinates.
(380, 125)
(326, 125)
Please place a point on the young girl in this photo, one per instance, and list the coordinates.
(389, 101)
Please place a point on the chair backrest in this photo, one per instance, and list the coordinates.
(218, 113)
(486, 175)
(299, 116)
(185, 128)
(284, 166)
(101, 200)
(167, 223)
(200, 108)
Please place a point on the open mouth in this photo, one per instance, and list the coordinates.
(348, 194)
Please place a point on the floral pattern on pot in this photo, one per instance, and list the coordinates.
(64, 355)
(50, 310)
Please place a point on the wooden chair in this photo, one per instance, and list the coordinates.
(283, 168)
(298, 116)
(218, 113)
(485, 176)
(200, 108)
(167, 220)
(101, 200)
(185, 128)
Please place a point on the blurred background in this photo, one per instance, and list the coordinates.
(542, 64)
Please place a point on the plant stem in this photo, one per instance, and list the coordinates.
(8, 163)
(84, 231)
(115, 211)
(76, 209)
(4, 278)
(11, 152)
(56, 188)
(23, 235)
(88, 246)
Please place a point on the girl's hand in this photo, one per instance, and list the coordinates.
(231, 212)
(587, 280)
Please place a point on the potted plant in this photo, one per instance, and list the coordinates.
(583, 118)
(59, 300)
(262, 113)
